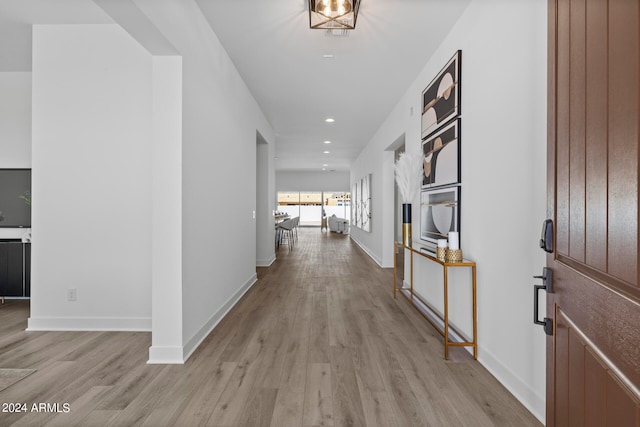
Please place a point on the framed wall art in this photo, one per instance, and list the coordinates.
(354, 204)
(355, 209)
(439, 213)
(441, 99)
(366, 203)
(441, 165)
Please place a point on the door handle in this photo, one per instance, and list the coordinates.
(547, 285)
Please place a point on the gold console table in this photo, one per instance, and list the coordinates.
(412, 297)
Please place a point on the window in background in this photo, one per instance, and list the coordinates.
(310, 208)
(308, 205)
(289, 203)
(305, 204)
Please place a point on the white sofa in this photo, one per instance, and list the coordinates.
(338, 225)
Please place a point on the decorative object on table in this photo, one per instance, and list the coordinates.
(441, 99)
(440, 213)
(408, 172)
(333, 14)
(453, 240)
(442, 157)
(441, 249)
(453, 253)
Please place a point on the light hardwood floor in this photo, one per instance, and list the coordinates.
(318, 341)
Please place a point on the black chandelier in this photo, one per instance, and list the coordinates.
(333, 14)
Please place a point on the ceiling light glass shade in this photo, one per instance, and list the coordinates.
(333, 14)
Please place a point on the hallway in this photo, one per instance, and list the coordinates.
(318, 340)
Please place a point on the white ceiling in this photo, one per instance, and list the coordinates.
(281, 60)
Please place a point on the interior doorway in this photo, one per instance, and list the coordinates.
(263, 219)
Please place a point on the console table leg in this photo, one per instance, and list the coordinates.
(475, 313)
(446, 313)
(411, 275)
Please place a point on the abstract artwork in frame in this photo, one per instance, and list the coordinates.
(366, 203)
(441, 99)
(358, 206)
(441, 165)
(439, 213)
(354, 203)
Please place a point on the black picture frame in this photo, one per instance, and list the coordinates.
(354, 204)
(441, 151)
(366, 203)
(439, 213)
(441, 99)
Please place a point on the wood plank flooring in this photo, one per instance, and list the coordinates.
(318, 341)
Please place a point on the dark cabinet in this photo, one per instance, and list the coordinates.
(15, 267)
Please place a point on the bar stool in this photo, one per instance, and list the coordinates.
(285, 230)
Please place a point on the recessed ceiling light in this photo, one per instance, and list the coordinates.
(329, 120)
(327, 142)
(325, 165)
(326, 152)
(327, 56)
(324, 169)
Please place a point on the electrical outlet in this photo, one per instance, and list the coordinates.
(71, 294)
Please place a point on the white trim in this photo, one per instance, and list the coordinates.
(206, 329)
(165, 355)
(266, 263)
(13, 233)
(142, 324)
(367, 251)
(520, 389)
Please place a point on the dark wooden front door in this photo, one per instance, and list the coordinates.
(593, 356)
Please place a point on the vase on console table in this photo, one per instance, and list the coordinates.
(406, 224)
(408, 173)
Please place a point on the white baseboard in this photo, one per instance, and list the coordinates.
(266, 263)
(521, 390)
(165, 355)
(366, 250)
(142, 324)
(206, 329)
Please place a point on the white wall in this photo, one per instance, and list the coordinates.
(108, 118)
(265, 205)
(312, 181)
(503, 47)
(91, 179)
(166, 215)
(220, 120)
(15, 120)
(15, 128)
